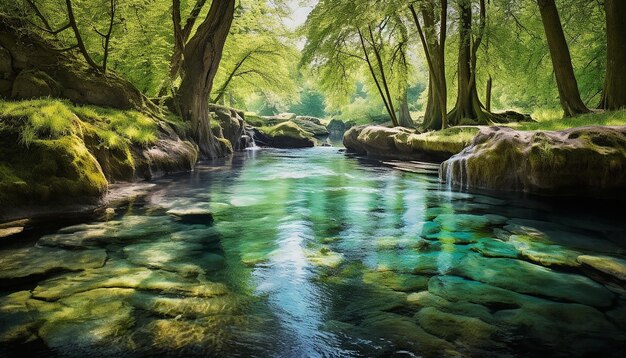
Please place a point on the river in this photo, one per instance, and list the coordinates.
(316, 253)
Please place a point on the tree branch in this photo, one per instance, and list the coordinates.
(79, 39)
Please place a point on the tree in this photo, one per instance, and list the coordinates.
(260, 56)
(561, 60)
(435, 116)
(615, 79)
(468, 105)
(360, 41)
(202, 55)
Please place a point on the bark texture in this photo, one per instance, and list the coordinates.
(202, 56)
(561, 60)
(615, 83)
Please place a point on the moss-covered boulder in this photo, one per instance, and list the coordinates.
(584, 161)
(403, 143)
(54, 153)
(231, 125)
(75, 80)
(34, 84)
(285, 135)
(59, 170)
(311, 126)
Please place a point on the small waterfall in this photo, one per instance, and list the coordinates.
(449, 172)
(455, 172)
(250, 143)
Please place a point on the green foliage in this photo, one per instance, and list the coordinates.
(311, 103)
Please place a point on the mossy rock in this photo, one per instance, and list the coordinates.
(316, 129)
(34, 84)
(287, 135)
(403, 143)
(585, 161)
(56, 170)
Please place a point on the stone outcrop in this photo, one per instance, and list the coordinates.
(401, 143)
(584, 161)
(31, 67)
(284, 135)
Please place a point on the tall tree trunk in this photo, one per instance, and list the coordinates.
(614, 96)
(468, 105)
(181, 35)
(488, 94)
(404, 118)
(561, 60)
(435, 116)
(381, 92)
(202, 56)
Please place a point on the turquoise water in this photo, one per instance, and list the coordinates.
(315, 253)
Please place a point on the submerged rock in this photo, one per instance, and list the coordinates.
(35, 261)
(90, 321)
(397, 281)
(586, 161)
(525, 277)
(192, 215)
(451, 327)
(609, 265)
(123, 275)
(427, 299)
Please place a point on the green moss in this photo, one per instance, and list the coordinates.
(286, 129)
(554, 120)
(115, 126)
(42, 118)
(50, 170)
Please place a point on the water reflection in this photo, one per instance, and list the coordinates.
(313, 253)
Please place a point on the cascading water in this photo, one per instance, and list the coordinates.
(455, 172)
(250, 143)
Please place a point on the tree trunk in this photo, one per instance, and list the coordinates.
(432, 114)
(435, 116)
(468, 106)
(404, 118)
(561, 60)
(614, 96)
(202, 56)
(488, 94)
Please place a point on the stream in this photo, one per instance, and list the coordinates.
(315, 253)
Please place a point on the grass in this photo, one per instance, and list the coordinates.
(42, 119)
(53, 119)
(462, 134)
(553, 120)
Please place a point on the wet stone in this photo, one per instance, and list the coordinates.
(612, 266)
(495, 248)
(451, 327)
(192, 215)
(34, 261)
(524, 277)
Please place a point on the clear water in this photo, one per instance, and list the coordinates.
(314, 253)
